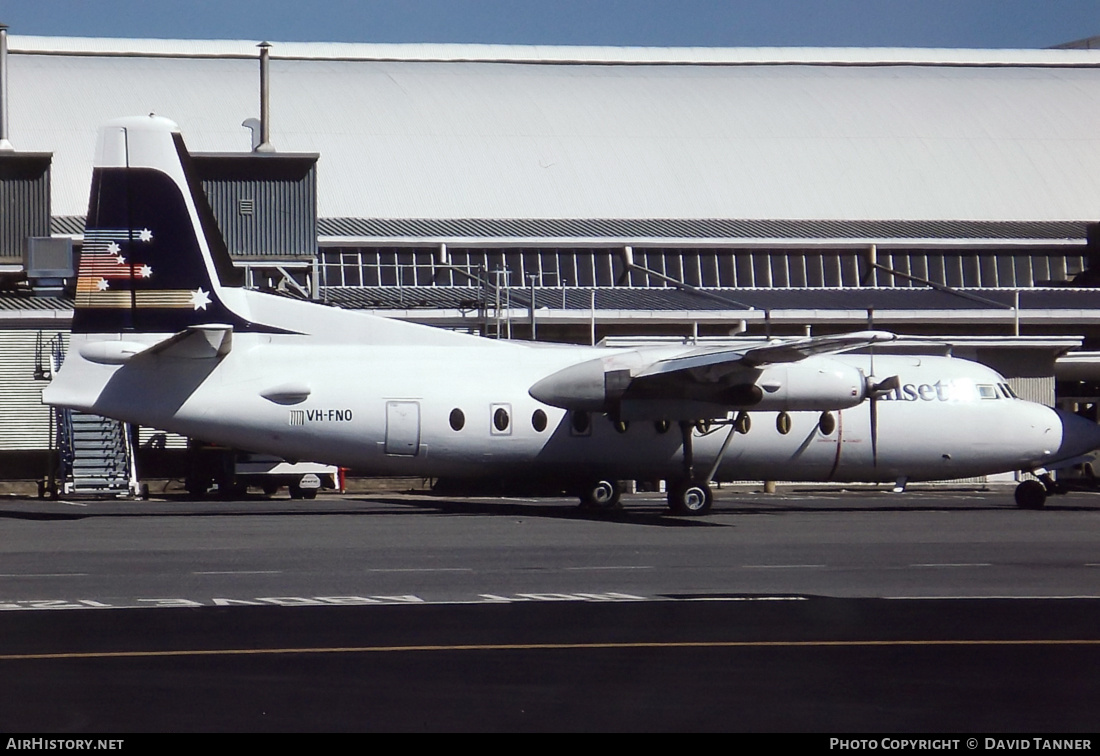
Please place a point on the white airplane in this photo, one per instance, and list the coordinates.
(159, 340)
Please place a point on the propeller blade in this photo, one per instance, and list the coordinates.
(871, 327)
(874, 430)
(874, 391)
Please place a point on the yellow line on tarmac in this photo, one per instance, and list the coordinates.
(541, 647)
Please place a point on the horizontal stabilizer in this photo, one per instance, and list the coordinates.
(111, 352)
(202, 342)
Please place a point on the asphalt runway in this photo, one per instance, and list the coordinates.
(819, 611)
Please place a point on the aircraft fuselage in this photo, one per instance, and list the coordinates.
(463, 411)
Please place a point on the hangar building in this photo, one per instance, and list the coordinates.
(588, 193)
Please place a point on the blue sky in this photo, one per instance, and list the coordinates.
(708, 23)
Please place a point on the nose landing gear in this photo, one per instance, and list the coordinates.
(1032, 494)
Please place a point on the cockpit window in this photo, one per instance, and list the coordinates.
(988, 391)
(1008, 392)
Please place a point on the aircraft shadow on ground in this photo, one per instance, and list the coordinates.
(644, 513)
(648, 511)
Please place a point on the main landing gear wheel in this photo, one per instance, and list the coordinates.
(1031, 494)
(688, 497)
(297, 492)
(600, 494)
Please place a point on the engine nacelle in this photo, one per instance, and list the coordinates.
(816, 384)
(587, 386)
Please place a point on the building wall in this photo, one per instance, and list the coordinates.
(265, 205)
(24, 201)
(25, 423)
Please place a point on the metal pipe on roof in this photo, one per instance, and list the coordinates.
(5, 145)
(265, 100)
(532, 277)
(592, 322)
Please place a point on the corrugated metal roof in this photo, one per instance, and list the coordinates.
(67, 225)
(626, 298)
(810, 135)
(693, 228)
(665, 299)
(20, 303)
(333, 230)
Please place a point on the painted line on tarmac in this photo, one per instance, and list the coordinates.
(165, 602)
(1078, 597)
(627, 645)
(783, 566)
(934, 565)
(42, 574)
(419, 569)
(24, 605)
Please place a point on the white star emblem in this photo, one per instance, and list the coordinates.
(146, 235)
(102, 284)
(145, 271)
(200, 299)
(113, 248)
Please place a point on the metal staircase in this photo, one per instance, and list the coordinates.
(96, 454)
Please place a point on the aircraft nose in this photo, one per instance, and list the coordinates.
(1079, 435)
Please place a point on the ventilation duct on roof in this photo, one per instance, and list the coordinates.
(1090, 276)
(265, 100)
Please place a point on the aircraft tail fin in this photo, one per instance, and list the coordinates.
(153, 260)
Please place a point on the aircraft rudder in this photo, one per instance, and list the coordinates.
(153, 259)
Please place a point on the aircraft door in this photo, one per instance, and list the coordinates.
(403, 428)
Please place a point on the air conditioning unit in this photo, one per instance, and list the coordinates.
(48, 262)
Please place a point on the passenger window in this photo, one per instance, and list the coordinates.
(581, 423)
(502, 419)
(538, 420)
(458, 419)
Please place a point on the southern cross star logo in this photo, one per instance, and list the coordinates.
(145, 235)
(200, 299)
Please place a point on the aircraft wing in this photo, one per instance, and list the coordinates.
(709, 382)
(768, 354)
